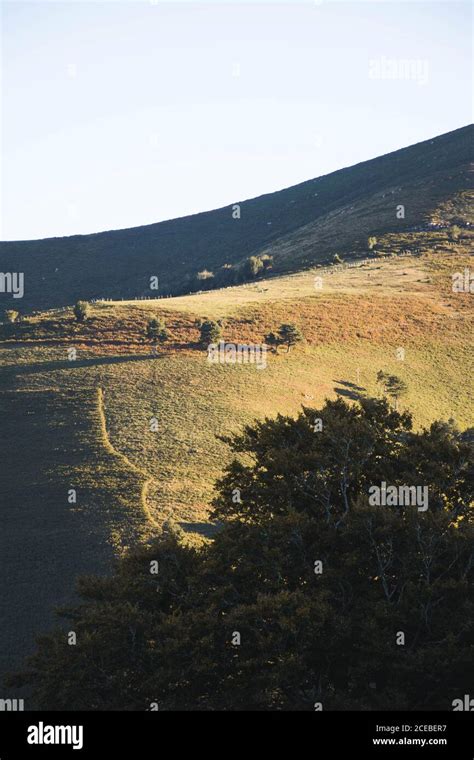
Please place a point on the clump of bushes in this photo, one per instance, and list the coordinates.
(234, 274)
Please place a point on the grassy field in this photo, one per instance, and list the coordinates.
(85, 423)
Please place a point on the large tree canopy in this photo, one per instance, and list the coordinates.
(322, 461)
(307, 595)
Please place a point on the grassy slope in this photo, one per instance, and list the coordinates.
(51, 442)
(85, 423)
(296, 225)
(353, 326)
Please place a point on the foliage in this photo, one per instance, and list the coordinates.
(156, 330)
(321, 473)
(317, 583)
(393, 385)
(210, 332)
(289, 335)
(272, 340)
(252, 266)
(11, 316)
(455, 232)
(81, 311)
(266, 260)
(205, 275)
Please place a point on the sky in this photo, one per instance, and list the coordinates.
(117, 114)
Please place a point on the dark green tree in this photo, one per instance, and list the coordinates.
(211, 332)
(293, 468)
(392, 385)
(289, 335)
(396, 388)
(307, 594)
(156, 330)
(382, 379)
(273, 341)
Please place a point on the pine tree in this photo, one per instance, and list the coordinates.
(156, 330)
(290, 335)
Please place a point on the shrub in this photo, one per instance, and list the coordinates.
(273, 341)
(11, 316)
(205, 275)
(210, 332)
(81, 311)
(156, 330)
(252, 266)
(267, 261)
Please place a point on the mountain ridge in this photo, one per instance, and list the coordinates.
(119, 263)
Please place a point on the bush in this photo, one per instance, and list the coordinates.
(210, 332)
(11, 316)
(273, 341)
(205, 275)
(156, 330)
(81, 311)
(454, 233)
(267, 261)
(252, 266)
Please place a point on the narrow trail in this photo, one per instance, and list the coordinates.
(133, 467)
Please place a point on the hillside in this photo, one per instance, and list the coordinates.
(299, 227)
(84, 424)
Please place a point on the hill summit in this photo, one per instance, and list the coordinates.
(420, 187)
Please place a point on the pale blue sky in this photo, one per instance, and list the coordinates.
(116, 114)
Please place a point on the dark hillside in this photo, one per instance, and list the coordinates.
(299, 226)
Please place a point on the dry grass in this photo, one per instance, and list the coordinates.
(353, 327)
